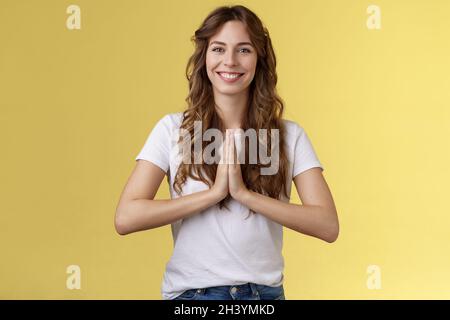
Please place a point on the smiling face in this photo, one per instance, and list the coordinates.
(231, 59)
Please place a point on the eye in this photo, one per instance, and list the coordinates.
(219, 49)
(246, 50)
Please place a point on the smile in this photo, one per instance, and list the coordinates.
(230, 77)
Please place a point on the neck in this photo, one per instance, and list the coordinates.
(231, 108)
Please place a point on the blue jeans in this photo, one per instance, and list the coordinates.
(248, 291)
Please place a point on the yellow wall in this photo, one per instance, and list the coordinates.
(77, 106)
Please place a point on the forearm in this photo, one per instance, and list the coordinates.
(143, 214)
(311, 220)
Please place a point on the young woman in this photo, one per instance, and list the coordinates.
(227, 217)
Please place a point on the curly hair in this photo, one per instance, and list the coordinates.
(264, 109)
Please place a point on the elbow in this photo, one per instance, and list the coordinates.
(120, 225)
(332, 237)
(333, 233)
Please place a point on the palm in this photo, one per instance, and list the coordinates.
(235, 181)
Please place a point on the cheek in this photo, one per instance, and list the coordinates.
(251, 67)
(210, 65)
(211, 61)
(250, 64)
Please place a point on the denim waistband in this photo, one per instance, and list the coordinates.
(252, 286)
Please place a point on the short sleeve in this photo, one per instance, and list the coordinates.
(157, 146)
(304, 155)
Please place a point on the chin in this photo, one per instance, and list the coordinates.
(227, 89)
(230, 91)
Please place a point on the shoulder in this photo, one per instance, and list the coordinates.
(292, 129)
(172, 120)
(169, 123)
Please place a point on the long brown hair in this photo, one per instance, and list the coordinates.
(264, 110)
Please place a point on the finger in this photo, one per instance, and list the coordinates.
(228, 147)
(223, 160)
(236, 150)
(233, 150)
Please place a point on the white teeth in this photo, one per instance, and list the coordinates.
(230, 75)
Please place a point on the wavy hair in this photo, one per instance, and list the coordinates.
(264, 109)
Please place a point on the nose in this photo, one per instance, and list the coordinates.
(230, 58)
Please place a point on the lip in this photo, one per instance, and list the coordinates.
(230, 80)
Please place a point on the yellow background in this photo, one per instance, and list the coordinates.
(77, 106)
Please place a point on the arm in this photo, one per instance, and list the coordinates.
(137, 210)
(317, 216)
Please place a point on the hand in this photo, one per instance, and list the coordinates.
(220, 187)
(236, 184)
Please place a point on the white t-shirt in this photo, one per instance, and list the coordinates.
(219, 247)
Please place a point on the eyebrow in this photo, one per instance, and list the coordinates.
(239, 44)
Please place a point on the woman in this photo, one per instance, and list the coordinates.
(227, 218)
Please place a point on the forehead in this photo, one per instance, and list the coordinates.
(232, 32)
